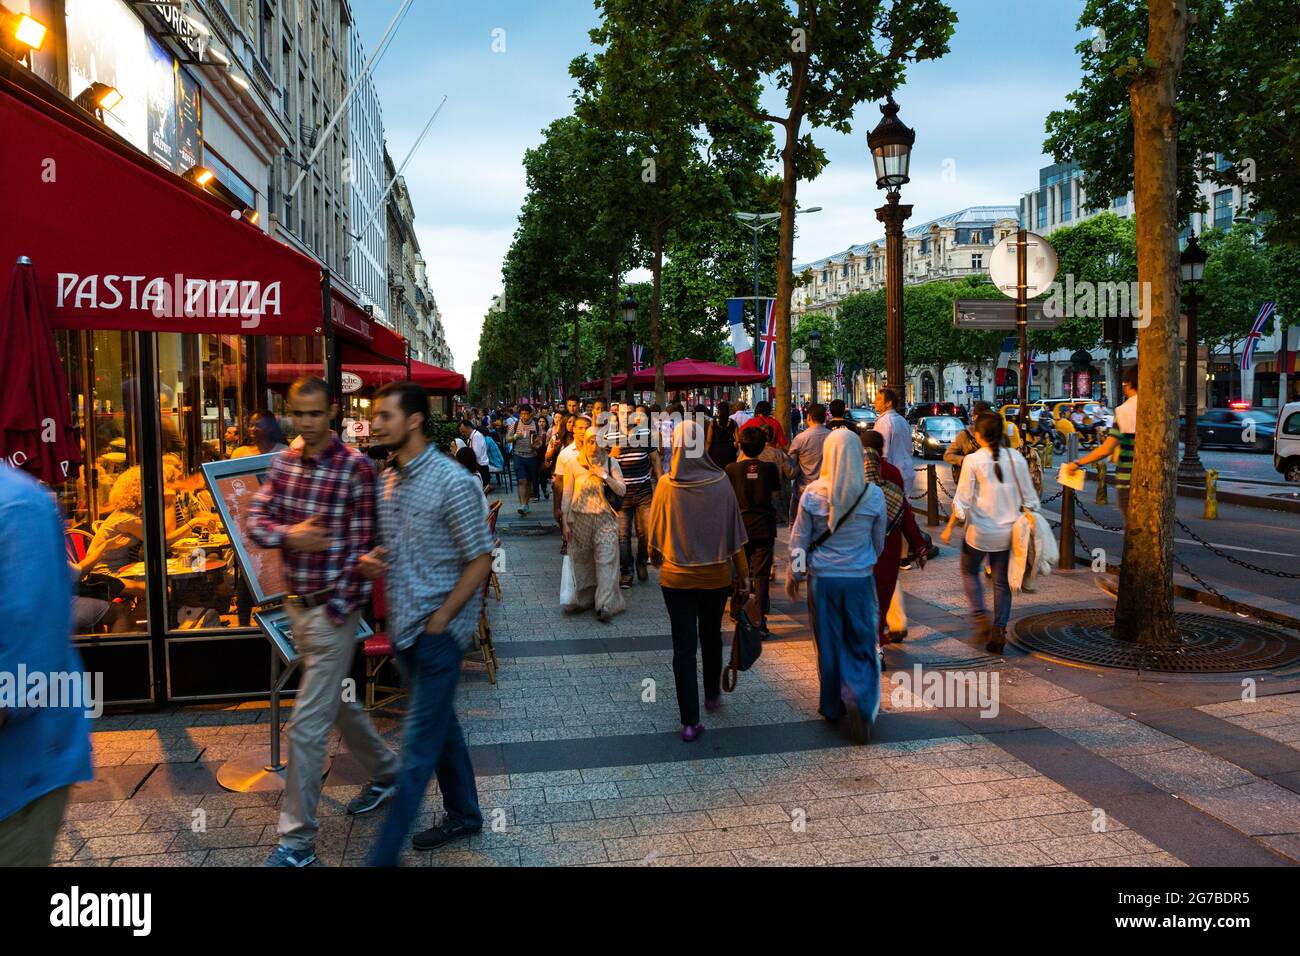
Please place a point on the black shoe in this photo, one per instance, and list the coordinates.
(443, 833)
(997, 640)
(625, 582)
(858, 725)
(642, 574)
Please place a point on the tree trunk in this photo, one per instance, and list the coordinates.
(575, 385)
(660, 396)
(1144, 613)
(609, 340)
(784, 271)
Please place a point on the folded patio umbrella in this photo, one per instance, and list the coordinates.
(36, 432)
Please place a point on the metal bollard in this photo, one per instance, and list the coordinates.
(1102, 476)
(1067, 529)
(1211, 494)
(931, 497)
(1047, 454)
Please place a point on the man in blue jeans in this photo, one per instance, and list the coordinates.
(436, 553)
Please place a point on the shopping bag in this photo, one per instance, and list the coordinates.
(568, 584)
(746, 648)
(896, 616)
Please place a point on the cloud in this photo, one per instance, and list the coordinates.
(464, 265)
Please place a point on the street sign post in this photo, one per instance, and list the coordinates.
(998, 314)
(1023, 265)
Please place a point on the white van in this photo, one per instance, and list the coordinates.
(1286, 443)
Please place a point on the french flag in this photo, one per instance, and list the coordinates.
(739, 337)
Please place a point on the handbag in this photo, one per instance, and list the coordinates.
(746, 648)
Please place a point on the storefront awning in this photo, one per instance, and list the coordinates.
(120, 243)
(439, 381)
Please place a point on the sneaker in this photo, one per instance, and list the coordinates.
(444, 833)
(625, 582)
(285, 856)
(371, 796)
(522, 511)
(690, 733)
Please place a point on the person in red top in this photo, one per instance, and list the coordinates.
(901, 523)
(317, 507)
(763, 416)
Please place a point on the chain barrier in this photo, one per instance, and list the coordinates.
(1094, 519)
(1231, 560)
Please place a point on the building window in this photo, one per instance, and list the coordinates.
(1121, 202)
(1223, 209)
(236, 183)
(1042, 217)
(977, 261)
(976, 238)
(1066, 206)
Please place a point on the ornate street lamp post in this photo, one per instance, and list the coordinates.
(891, 147)
(629, 323)
(1192, 263)
(814, 346)
(564, 369)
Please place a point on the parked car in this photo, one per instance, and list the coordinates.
(1286, 442)
(863, 419)
(932, 435)
(1237, 427)
(924, 409)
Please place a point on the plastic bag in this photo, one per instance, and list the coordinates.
(568, 584)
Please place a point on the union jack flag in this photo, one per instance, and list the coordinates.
(839, 375)
(767, 342)
(638, 357)
(1256, 330)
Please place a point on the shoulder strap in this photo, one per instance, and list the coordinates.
(821, 539)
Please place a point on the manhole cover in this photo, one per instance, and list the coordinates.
(1207, 645)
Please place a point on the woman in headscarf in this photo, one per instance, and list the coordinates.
(697, 540)
(838, 533)
(899, 523)
(591, 528)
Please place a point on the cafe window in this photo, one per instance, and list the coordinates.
(204, 404)
(104, 505)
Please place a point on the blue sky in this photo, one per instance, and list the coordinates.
(978, 112)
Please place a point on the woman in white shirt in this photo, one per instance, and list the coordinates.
(591, 528)
(995, 485)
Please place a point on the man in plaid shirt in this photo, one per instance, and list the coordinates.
(436, 555)
(317, 507)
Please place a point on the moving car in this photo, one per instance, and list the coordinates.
(924, 409)
(1239, 426)
(932, 435)
(863, 419)
(1286, 442)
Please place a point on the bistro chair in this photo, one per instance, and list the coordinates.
(483, 636)
(77, 542)
(378, 651)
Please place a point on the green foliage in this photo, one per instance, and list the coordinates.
(1102, 249)
(1238, 95)
(1238, 280)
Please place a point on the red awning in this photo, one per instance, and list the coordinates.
(685, 373)
(363, 341)
(120, 243)
(439, 381)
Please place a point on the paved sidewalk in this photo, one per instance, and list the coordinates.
(580, 761)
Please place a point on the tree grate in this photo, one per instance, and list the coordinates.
(1207, 644)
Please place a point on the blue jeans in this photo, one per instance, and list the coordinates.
(432, 743)
(972, 578)
(844, 619)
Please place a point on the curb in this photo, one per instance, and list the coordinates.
(1258, 502)
(1270, 610)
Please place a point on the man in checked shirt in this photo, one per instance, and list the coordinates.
(436, 553)
(317, 506)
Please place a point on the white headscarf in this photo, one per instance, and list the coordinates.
(842, 473)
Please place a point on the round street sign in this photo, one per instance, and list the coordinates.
(1040, 265)
(351, 383)
(799, 356)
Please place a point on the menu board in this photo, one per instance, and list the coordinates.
(233, 484)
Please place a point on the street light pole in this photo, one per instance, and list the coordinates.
(814, 346)
(1192, 265)
(629, 322)
(891, 148)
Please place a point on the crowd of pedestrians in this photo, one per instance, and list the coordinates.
(703, 495)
